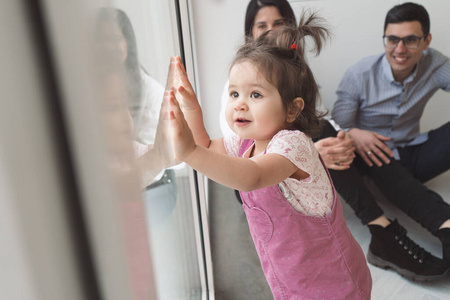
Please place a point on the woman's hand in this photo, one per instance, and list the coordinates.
(337, 152)
(183, 140)
(371, 147)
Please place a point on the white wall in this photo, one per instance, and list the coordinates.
(357, 26)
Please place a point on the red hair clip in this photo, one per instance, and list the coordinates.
(294, 46)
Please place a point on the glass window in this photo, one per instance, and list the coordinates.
(135, 40)
(97, 207)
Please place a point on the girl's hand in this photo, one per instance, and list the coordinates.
(192, 111)
(183, 140)
(185, 92)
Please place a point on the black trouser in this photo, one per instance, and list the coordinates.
(401, 181)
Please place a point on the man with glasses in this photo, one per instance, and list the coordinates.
(380, 102)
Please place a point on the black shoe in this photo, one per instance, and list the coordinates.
(444, 235)
(390, 248)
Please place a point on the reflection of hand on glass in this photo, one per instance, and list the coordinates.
(143, 95)
(160, 154)
(184, 143)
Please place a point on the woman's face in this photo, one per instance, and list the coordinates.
(267, 18)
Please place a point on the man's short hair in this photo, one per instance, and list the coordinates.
(408, 12)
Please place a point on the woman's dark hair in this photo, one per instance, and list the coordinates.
(254, 6)
(279, 56)
(132, 65)
(408, 12)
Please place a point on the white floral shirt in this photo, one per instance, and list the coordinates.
(312, 196)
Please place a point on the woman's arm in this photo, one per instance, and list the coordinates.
(235, 172)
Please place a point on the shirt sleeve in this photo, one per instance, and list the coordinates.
(345, 110)
(152, 98)
(442, 75)
(232, 144)
(295, 146)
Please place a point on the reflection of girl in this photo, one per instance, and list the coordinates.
(145, 96)
(294, 214)
(144, 93)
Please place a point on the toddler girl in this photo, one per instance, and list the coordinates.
(294, 214)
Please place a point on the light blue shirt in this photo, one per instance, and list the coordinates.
(369, 98)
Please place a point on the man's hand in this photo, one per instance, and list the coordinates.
(371, 147)
(337, 152)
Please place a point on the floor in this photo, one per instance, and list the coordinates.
(238, 275)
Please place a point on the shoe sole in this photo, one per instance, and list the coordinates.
(381, 263)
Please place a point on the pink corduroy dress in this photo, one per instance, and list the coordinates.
(305, 257)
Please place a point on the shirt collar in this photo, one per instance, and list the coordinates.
(387, 71)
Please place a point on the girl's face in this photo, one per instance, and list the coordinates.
(254, 109)
(267, 18)
(113, 42)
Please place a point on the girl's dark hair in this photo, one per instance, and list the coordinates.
(408, 12)
(254, 6)
(132, 65)
(279, 55)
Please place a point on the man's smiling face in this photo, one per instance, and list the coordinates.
(404, 60)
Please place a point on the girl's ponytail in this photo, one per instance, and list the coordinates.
(293, 38)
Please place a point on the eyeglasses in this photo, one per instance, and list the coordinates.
(410, 42)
